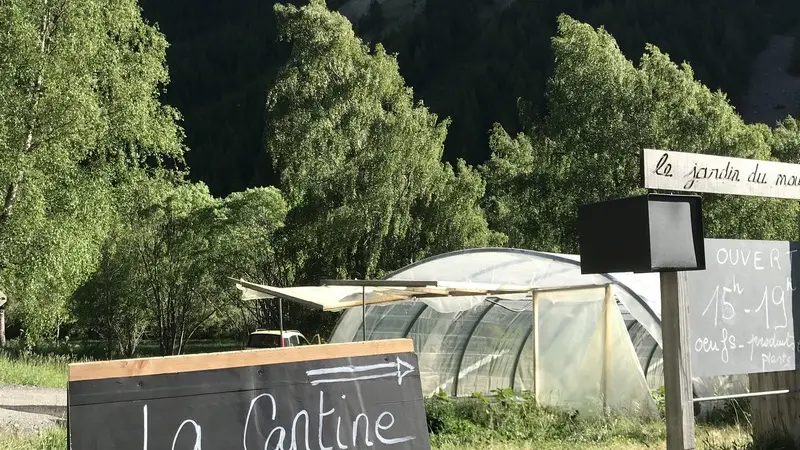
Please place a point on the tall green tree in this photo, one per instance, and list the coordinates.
(246, 245)
(79, 82)
(602, 110)
(174, 242)
(360, 161)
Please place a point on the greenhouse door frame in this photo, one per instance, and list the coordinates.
(608, 304)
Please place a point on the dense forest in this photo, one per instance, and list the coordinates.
(223, 54)
(284, 144)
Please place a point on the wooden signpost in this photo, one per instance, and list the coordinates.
(727, 308)
(696, 172)
(654, 233)
(322, 397)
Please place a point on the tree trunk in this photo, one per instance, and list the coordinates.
(12, 190)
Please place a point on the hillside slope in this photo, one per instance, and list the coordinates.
(476, 61)
(773, 93)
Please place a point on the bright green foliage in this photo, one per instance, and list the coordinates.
(110, 305)
(79, 84)
(245, 226)
(785, 142)
(173, 245)
(470, 60)
(521, 196)
(359, 161)
(113, 303)
(450, 218)
(602, 110)
(164, 268)
(246, 246)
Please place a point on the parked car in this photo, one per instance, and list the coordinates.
(272, 339)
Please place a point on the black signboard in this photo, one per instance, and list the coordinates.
(316, 400)
(741, 308)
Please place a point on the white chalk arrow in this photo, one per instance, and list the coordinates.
(401, 369)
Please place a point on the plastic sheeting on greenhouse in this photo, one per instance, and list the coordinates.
(585, 359)
(441, 338)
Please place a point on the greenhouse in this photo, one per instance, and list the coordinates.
(520, 320)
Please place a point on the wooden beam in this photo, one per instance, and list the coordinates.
(677, 361)
(226, 360)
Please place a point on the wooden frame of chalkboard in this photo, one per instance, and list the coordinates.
(357, 395)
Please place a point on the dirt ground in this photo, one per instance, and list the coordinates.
(27, 409)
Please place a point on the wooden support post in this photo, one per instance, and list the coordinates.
(677, 362)
(364, 313)
(535, 337)
(607, 305)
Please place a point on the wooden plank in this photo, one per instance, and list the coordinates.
(608, 304)
(696, 172)
(775, 417)
(677, 362)
(227, 360)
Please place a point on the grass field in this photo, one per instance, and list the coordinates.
(34, 370)
(476, 423)
(732, 438)
(48, 368)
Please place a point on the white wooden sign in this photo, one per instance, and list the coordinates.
(696, 172)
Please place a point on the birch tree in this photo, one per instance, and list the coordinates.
(79, 110)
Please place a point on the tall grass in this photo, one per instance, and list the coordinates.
(507, 421)
(33, 370)
(53, 438)
(47, 366)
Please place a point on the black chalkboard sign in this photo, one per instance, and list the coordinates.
(741, 308)
(327, 397)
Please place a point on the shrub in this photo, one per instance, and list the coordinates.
(508, 417)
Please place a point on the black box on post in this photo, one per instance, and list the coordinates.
(648, 233)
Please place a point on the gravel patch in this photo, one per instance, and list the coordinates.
(29, 409)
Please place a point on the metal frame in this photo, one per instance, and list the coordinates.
(519, 355)
(374, 283)
(413, 321)
(650, 359)
(466, 343)
(520, 314)
(543, 255)
(748, 394)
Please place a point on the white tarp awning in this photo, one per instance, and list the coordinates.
(334, 298)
